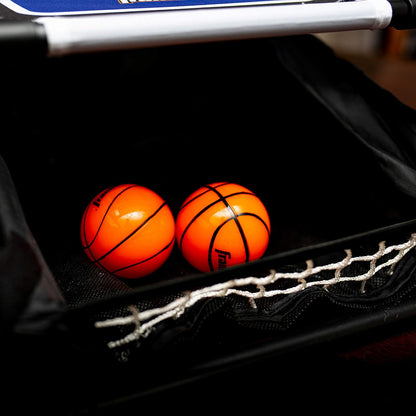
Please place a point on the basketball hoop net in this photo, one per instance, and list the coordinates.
(254, 288)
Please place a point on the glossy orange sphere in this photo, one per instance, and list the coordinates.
(221, 225)
(128, 230)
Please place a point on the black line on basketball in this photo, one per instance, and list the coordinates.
(218, 185)
(105, 214)
(88, 246)
(149, 258)
(211, 244)
(202, 193)
(250, 214)
(132, 233)
(85, 219)
(234, 216)
(195, 218)
(209, 206)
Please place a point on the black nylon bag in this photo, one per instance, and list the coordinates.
(330, 153)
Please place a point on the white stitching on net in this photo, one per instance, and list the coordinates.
(145, 321)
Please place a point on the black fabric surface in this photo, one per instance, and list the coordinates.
(329, 152)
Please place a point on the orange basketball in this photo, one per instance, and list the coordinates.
(128, 230)
(221, 225)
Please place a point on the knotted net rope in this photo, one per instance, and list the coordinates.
(254, 288)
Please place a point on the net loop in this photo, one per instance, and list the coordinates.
(144, 321)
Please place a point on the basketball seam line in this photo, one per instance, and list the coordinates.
(240, 229)
(202, 193)
(211, 243)
(206, 208)
(132, 233)
(250, 214)
(102, 220)
(88, 246)
(214, 235)
(147, 259)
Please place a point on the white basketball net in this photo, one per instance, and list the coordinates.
(144, 321)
